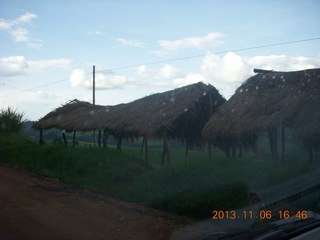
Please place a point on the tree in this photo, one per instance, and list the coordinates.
(11, 121)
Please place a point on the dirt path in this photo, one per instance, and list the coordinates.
(32, 207)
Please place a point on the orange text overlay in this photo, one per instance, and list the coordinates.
(263, 214)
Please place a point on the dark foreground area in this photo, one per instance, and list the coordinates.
(34, 207)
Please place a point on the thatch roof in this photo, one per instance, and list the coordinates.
(268, 100)
(74, 115)
(181, 113)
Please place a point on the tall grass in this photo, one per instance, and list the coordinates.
(193, 189)
(11, 121)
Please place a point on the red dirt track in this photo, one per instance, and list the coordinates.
(33, 207)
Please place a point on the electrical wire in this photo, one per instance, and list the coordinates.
(208, 54)
(171, 60)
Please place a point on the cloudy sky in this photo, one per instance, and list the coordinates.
(140, 47)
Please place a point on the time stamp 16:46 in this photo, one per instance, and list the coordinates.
(263, 214)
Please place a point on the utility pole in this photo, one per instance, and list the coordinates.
(94, 97)
(94, 86)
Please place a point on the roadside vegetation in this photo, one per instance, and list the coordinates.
(11, 121)
(194, 188)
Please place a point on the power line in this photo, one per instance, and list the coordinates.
(172, 60)
(208, 54)
(37, 87)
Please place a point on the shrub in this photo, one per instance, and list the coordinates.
(11, 121)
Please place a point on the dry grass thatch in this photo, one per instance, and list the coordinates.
(180, 113)
(74, 115)
(265, 101)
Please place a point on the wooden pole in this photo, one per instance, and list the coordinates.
(99, 138)
(41, 137)
(64, 138)
(94, 86)
(74, 138)
(146, 148)
(166, 151)
(142, 145)
(94, 96)
(105, 139)
(119, 144)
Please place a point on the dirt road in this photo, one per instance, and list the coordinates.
(33, 207)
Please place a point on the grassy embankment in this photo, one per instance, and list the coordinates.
(193, 189)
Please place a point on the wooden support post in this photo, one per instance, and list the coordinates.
(74, 138)
(94, 96)
(41, 137)
(146, 149)
(283, 144)
(166, 151)
(105, 139)
(64, 138)
(94, 85)
(142, 145)
(99, 138)
(119, 144)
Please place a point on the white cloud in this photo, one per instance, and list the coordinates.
(18, 65)
(79, 78)
(25, 18)
(5, 25)
(283, 62)
(230, 68)
(13, 66)
(47, 95)
(209, 40)
(41, 65)
(165, 72)
(189, 79)
(35, 45)
(131, 43)
(94, 33)
(227, 73)
(17, 28)
(159, 53)
(20, 35)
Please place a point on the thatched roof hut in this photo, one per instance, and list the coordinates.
(266, 101)
(179, 114)
(74, 115)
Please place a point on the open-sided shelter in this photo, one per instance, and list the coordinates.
(265, 102)
(74, 115)
(177, 114)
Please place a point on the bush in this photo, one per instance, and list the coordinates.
(11, 121)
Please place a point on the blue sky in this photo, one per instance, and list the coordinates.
(48, 48)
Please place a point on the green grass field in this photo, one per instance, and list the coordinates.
(194, 189)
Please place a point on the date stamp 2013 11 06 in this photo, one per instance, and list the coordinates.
(262, 214)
